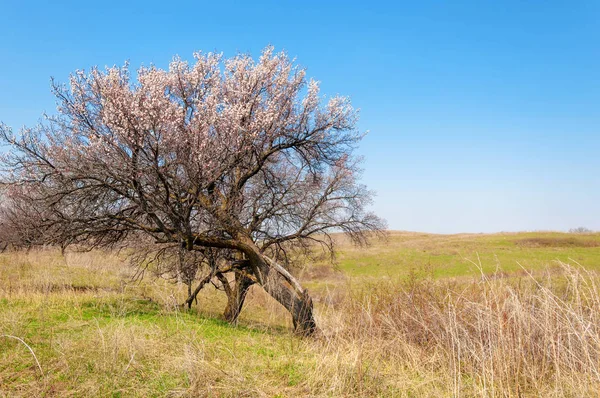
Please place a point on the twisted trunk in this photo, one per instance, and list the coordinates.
(275, 279)
(284, 288)
(236, 295)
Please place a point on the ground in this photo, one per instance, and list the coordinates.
(412, 315)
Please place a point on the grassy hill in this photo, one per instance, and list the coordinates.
(509, 314)
(453, 255)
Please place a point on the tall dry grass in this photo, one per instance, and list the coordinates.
(494, 336)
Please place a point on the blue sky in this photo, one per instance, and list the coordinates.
(483, 115)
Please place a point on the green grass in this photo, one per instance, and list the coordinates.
(89, 343)
(96, 332)
(453, 255)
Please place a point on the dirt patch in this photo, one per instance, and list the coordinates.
(557, 242)
(320, 272)
(66, 287)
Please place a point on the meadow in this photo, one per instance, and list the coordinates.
(414, 315)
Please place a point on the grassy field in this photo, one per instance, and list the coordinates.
(413, 315)
(453, 255)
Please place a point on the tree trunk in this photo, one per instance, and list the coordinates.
(277, 281)
(300, 305)
(192, 295)
(235, 296)
(284, 288)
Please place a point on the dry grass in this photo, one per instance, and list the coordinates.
(522, 336)
(95, 333)
(558, 242)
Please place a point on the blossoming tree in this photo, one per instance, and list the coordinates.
(238, 164)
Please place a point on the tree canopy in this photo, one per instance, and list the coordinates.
(233, 163)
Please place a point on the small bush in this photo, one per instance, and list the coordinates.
(580, 230)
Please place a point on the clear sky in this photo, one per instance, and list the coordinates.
(483, 115)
